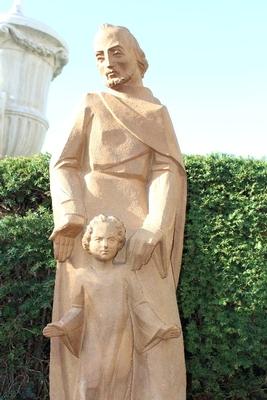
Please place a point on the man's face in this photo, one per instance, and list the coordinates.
(116, 60)
(104, 243)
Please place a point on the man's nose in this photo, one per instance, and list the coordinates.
(108, 60)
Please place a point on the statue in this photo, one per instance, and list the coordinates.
(109, 317)
(122, 158)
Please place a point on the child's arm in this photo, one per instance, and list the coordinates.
(148, 328)
(69, 322)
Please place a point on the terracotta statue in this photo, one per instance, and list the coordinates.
(109, 317)
(122, 158)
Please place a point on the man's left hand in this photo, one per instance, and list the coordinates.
(140, 247)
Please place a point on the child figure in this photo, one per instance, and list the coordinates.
(109, 318)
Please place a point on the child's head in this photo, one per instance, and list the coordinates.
(104, 237)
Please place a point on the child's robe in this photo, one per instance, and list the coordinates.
(114, 319)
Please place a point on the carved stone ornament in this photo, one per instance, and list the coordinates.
(59, 54)
(31, 56)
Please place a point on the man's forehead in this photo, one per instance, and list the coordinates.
(108, 38)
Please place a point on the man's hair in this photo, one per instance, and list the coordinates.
(118, 225)
(140, 55)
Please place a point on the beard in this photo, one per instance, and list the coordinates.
(116, 82)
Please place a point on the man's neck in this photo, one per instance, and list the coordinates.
(139, 92)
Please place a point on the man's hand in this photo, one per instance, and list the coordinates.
(63, 247)
(140, 247)
(63, 237)
(54, 329)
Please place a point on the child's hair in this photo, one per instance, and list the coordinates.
(121, 231)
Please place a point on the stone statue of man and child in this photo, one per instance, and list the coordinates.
(119, 194)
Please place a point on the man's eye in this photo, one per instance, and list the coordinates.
(100, 59)
(117, 53)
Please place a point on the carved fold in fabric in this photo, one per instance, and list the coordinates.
(147, 121)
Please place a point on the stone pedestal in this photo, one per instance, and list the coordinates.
(31, 55)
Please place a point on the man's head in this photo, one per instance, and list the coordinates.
(104, 237)
(119, 57)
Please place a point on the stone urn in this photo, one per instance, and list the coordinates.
(31, 55)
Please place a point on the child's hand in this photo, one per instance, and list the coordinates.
(53, 329)
(171, 332)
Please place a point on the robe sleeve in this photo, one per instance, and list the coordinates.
(167, 202)
(146, 323)
(66, 171)
(163, 193)
(73, 323)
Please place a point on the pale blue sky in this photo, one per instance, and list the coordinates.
(208, 64)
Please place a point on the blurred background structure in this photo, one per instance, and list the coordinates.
(31, 55)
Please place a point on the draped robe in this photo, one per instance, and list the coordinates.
(122, 159)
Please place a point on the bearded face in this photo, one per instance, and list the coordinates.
(116, 60)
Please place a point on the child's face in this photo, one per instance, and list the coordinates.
(104, 243)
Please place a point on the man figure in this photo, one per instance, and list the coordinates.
(122, 159)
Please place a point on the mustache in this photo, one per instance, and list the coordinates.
(110, 71)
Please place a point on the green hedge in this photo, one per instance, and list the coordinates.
(223, 288)
(222, 293)
(26, 277)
